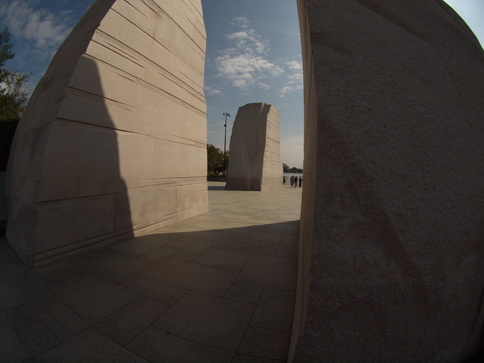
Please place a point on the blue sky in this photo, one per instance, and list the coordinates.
(253, 55)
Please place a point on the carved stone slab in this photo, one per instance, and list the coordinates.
(391, 252)
(255, 161)
(113, 142)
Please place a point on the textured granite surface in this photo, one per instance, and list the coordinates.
(391, 250)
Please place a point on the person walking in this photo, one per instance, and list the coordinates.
(292, 180)
(300, 181)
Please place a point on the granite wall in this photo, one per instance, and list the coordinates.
(113, 141)
(255, 161)
(391, 246)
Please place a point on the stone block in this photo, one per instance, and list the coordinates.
(113, 141)
(391, 252)
(255, 161)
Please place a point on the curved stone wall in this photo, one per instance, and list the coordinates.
(113, 142)
(391, 249)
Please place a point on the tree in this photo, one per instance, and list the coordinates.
(215, 160)
(285, 168)
(13, 93)
(295, 170)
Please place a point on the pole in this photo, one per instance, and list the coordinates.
(225, 141)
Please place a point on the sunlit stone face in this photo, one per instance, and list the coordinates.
(255, 162)
(113, 142)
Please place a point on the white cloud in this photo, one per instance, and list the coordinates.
(264, 86)
(284, 90)
(294, 78)
(248, 40)
(294, 65)
(241, 22)
(238, 35)
(213, 92)
(245, 63)
(40, 26)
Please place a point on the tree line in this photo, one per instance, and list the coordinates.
(287, 169)
(215, 162)
(13, 97)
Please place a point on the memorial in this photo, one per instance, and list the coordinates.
(255, 161)
(391, 240)
(113, 144)
(113, 141)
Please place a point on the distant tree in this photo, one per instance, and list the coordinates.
(285, 168)
(215, 160)
(7, 131)
(295, 170)
(13, 92)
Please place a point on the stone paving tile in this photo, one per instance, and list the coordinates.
(274, 310)
(217, 257)
(192, 276)
(129, 321)
(250, 242)
(289, 241)
(21, 316)
(158, 254)
(140, 245)
(113, 265)
(265, 343)
(241, 246)
(89, 346)
(157, 345)
(289, 227)
(96, 298)
(242, 358)
(186, 255)
(235, 233)
(209, 320)
(265, 236)
(205, 233)
(269, 272)
(11, 349)
(37, 338)
(214, 235)
(249, 294)
(61, 320)
(31, 286)
(61, 274)
(10, 295)
(191, 244)
(155, 289)
(9, 261)
(287, 253)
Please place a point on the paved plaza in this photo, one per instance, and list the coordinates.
(216, 287)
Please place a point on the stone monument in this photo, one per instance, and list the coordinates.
(255, 161)
(392, 241)
(113, 141)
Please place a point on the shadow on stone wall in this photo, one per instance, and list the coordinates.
(65, 188)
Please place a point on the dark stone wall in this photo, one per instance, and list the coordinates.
(392, 230)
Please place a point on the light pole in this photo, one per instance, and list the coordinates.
(226, 114)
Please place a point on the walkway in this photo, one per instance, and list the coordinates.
(217, 287)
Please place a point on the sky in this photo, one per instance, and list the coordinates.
(253, 55)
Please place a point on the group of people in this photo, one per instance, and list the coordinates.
(294, 180)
